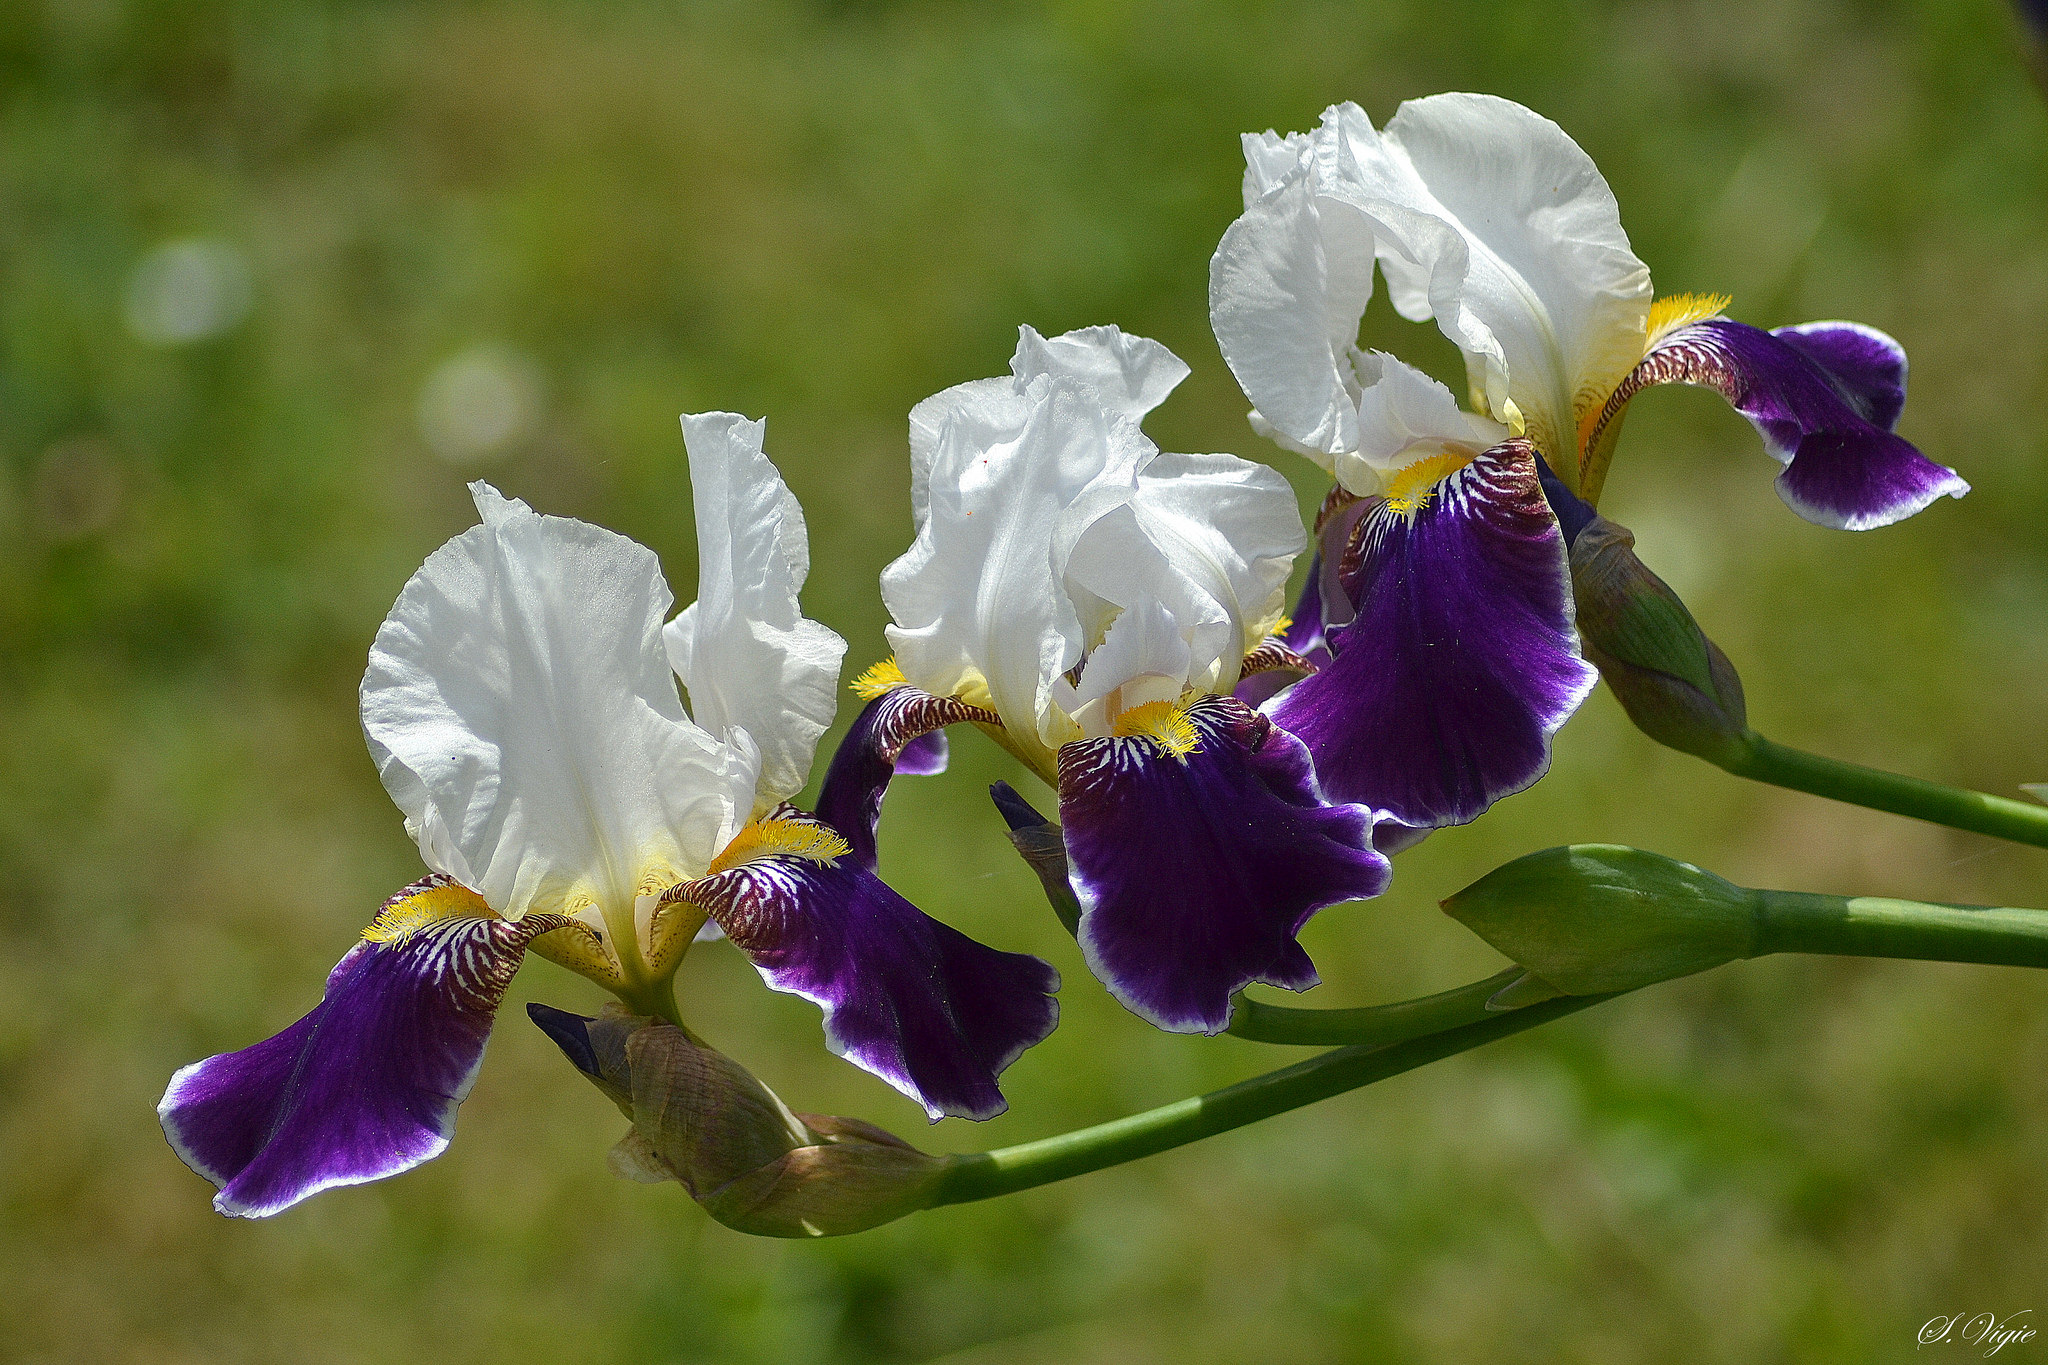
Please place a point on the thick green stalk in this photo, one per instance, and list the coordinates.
(1869, 926)
(1372, 1025)
(1387, 1040)
(1009, 1169)
(1764, 760)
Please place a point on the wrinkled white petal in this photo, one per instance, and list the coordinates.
(1405, 416)
(1212, 537)
(1131, 374)
(520, 708)
(1287, 286)
(743, 649)
(1047, 513)
(1144, 646)
(1270, 159)
(976, 599)
(1490, 219)
(928, 419)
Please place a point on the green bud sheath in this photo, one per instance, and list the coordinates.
(1675, 684)
(705, 1121)
(1593, 918)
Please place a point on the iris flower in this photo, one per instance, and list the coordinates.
(1090, 603)
(522, 708)
(1442, 608)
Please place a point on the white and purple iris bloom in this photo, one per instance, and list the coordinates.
(1441, 611)
(522, 706)
(1091, 603)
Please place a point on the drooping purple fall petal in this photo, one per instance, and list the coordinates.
(367, 1084)
(899, 732)
(1196, 869)
(1824, 396)
(918, 1003)
(1463, 659)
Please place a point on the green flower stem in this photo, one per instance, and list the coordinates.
(658, 999)
(1010, 1169)
(1373, 1025)
(1869, 926)
(1764, 760)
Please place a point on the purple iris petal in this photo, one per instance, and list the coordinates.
(1463, 660)
(1573, 512)
(1865, 366)
(367, 1084)
(925, 756)
(929, 1010)
(1304, 633)
(1824, 398)
(895, 733)
(1195, 871)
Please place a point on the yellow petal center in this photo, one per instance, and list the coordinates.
(420, 906)
(885, 676)
(1165, 723)
(780, 838)
(1410, 489)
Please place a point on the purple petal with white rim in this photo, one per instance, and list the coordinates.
(1463, 659)
(1824, 397)
(1866, 367)
(1196, 868)
(367, 1084)
(899, 732)
(921, 1005)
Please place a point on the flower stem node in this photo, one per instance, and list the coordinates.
(1593, 918)
(705, 1121)
(1675, 683)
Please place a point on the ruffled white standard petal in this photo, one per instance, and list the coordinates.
(520, 707)
(928, 420)
(1212, 537)
(1132, 374)
(1287, 286)
(1144, 658)
(1270, 159)
(1403, 416)
(743, 648)
(976, 599)
(1492, 220)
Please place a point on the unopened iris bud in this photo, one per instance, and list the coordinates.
(1593, 918)
(1675, 683)
(705, 1121)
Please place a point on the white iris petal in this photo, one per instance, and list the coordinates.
(749, 658)
(1046, 513)
(520, 707)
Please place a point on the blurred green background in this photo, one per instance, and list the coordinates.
(277, 278)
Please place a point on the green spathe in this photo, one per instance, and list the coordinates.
(1675, 684)
(704, 1121)
(1594, 918)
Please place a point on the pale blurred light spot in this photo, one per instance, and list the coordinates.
(77, 490)
(480, 403)
(187, 291)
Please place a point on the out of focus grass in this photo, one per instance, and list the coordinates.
(618, 212)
